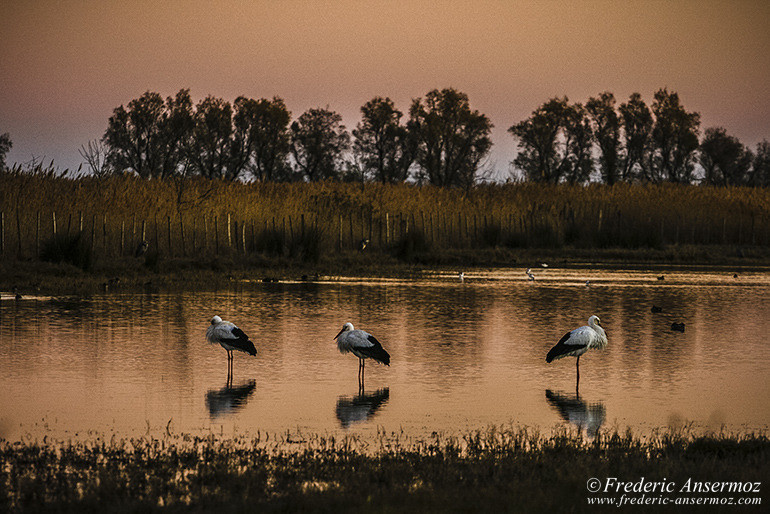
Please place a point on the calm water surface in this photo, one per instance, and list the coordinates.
(464, 356)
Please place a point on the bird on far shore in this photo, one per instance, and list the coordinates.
(530, 274)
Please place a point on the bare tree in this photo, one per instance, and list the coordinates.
(95, 155)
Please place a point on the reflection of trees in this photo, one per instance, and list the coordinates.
(356, 409)
(576, 411)
(229, 399)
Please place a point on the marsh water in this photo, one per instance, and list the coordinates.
(465, 355)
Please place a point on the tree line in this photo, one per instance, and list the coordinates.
(442, 141)
(632, 142)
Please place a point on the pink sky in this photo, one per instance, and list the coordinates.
(66, 65)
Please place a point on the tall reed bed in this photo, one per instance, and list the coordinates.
(194, 216)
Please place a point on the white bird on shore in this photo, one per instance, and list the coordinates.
(363, 345)
(230, 338)
(530, 274)
(577, 342)
(461, 276)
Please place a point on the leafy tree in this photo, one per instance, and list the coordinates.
(5, 145)
(452, 140)
(760, 168)
(605, 124)
(724, 159)
(213, 150)
(262, 131)
(555, 143)
(578, 137)
(674, 139)
(318, 140)
(537, 154)
(384, 148)
(636, 121)
(148, 136)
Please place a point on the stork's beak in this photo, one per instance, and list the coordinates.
(341, 331)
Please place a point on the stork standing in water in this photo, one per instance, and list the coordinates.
(577, 342)
(363, 345)
(230, 338)
(530, 274)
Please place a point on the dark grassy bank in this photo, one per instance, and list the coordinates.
(128, 274)
(486, 471)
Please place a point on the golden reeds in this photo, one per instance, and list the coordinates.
(197, 215)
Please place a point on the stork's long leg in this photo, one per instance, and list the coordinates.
(363, 373)
(360, 372)
(577, 367)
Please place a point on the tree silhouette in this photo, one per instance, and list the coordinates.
(148, 136)
(213, 150)
(636, 121)
(384, 148)
(5, 145)
(452, 140)
(760, 169)
(318, 140)
(555, 143)
(606, 129)
(95, 155)
(674, 139)
(724, 159)
(262, 127)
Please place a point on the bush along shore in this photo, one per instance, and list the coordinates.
(91, 231)
(490, 470)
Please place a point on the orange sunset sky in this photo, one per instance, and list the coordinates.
(65, 65)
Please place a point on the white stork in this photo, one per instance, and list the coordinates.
(363, 345)
(577, 342)
(530, 274)
(230, 338)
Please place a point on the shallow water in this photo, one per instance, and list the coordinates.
(464, 356)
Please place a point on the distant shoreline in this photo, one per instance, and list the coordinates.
(131, 275)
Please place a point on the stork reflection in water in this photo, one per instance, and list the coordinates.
(229, 399)
(574, 410)
(356, 409)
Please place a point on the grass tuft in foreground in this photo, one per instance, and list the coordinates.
(488, 470)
